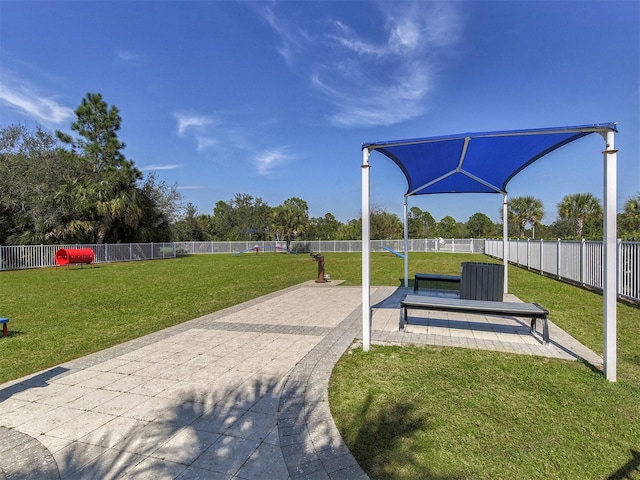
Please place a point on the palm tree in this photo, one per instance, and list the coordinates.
(525, 210)
(76, 202)
(630, 218)
(579, 208)
(288, 222)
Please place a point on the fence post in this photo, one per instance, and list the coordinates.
(620, 283)
(558, 258)
(582, 261)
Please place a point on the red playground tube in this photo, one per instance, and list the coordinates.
(68, 256)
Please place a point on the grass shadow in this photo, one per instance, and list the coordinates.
(386, 431)
(12, 333)
(595, 369)
(629, 470)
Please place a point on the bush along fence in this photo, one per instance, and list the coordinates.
(579, 262)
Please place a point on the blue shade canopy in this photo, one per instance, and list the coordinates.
(475, 162)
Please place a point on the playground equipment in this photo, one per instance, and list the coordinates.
(257, 248)
(69, 256)
(320, 259)
(393, 252)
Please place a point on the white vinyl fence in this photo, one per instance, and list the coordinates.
(335, 246)
(18, 257)
(575, 261)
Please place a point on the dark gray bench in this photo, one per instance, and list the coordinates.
(434, 277)
(480, 307)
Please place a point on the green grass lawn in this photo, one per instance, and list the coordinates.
(453, 413)
(60, 314)
(440, 413)
(406, 412)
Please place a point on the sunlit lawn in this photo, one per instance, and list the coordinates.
(454, 413)
(60, 314)
(406, 412)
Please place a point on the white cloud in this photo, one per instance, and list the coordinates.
(378, 77)
(190, 122)
(211, 132)
(265, 162)
(198, 127)
(380, 104)
(290, 39)
(24, 98)
(349, 40)
(205, 142)
(160, 167)
(128, 55)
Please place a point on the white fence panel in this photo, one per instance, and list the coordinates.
(550, 258)
(570, 261)
(629, 270)
(577, 261)
(19, 257)
(592, 264)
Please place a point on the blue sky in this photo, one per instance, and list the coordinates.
(275, 99)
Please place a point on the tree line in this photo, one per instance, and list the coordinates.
(579, 216)
(57, 188)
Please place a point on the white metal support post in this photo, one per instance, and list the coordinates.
(505, 242)
(366, 298)
(610, 263)
(406, 243)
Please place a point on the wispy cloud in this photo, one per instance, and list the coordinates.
(267, 161)
(291, 40)
(159, 167)
(187, 122)
(223, 137)
(372, 78)
(129, 56)
(25, 98)
(197, 127)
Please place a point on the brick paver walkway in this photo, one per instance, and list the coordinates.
(238, 394)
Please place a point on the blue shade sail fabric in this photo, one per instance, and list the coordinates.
(475, 162)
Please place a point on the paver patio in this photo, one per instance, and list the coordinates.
(238, 394)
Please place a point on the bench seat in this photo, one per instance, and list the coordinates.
(480, 307)
(434, 277)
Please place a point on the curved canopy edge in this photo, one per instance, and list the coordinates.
(482, 162)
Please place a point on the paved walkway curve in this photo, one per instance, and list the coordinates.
(311, 444)
(25, 458)
(240, 394)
